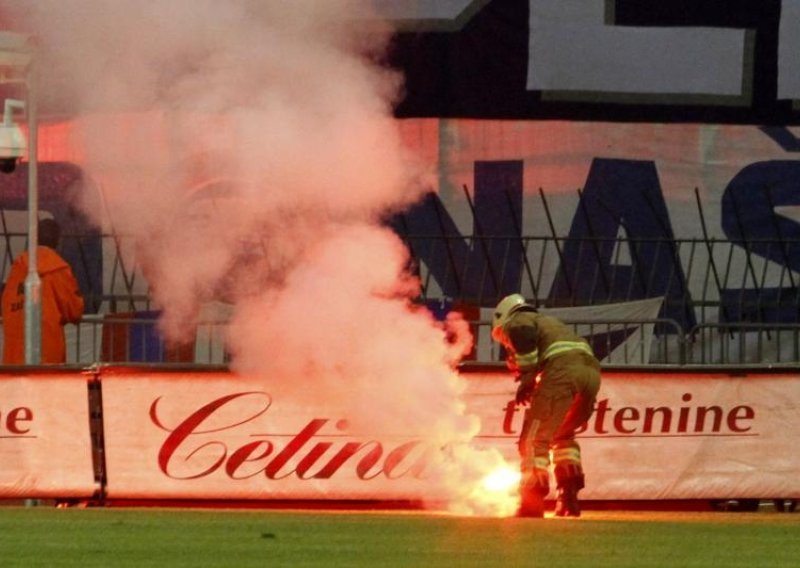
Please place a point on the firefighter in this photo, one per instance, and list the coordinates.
(558, 377)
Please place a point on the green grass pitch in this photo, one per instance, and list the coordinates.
(44, 536)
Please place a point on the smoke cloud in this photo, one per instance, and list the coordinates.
(248, 147)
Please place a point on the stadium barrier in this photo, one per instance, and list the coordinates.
(121, 433)
(47, 448)
(628, 342)
(743, 344)
(713, 288)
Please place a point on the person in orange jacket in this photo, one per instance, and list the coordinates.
(61, 300)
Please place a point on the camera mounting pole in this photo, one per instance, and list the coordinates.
(8, 110)
(33, 284)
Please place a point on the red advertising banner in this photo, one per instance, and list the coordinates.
(673, 435)
(217, 436)
(653, 436)
(45, 443)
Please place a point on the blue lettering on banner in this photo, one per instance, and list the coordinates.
(492, 265)
(620, 197)
(623, 194)
(749, 219)
(489, 266)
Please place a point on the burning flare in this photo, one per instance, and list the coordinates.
(502, 479)
(479, 482)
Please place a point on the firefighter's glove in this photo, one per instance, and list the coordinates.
(525, 389)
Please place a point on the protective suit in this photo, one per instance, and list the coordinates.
(559, 378)
(61, 303)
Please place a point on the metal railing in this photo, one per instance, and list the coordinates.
(743, 344)
(617, 343)
(702, 281)
(129, 340)
(710, 280)
(723, 303)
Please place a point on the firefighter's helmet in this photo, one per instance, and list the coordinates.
(503, 311)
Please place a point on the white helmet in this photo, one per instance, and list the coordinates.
(503, 311)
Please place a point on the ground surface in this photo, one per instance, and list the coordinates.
(45, 536)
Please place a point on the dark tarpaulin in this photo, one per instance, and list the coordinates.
(479, 70)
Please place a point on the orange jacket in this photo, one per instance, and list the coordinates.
(61, 303)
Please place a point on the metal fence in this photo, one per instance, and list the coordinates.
(702, 281)
(743, 344)
(130, 340)
(618, 343)
(712, 280)
(725, 303)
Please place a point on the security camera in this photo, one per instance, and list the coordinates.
(8, 165)
(12, 146)
(12, 140)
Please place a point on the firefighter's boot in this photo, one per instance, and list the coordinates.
(569, 480)
(532, 493)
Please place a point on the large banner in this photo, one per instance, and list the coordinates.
(644, 60)
(45, 443)
(589, 213)
(671, 189)
(634, 103)
(653, 436)
(693, 197)
(571, 213)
